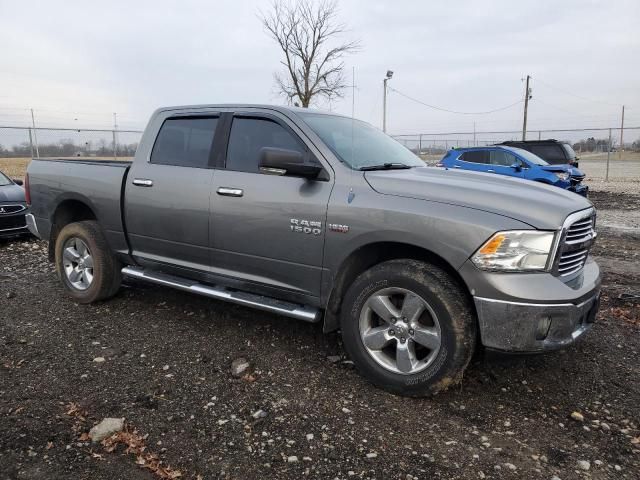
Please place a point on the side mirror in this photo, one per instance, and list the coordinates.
(278, 161)
(17, 181)
(517, 167)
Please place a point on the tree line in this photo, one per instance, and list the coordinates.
(67, 148)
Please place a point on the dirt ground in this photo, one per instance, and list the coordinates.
(166, 370)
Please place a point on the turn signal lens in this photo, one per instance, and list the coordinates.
(492, 245)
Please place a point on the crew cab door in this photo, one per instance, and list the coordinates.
(267, 230)
(167, 196)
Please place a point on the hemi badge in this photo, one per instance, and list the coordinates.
(335, 227)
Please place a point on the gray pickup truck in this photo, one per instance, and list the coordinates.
(322, 217)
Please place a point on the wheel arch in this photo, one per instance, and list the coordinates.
(372, 254)
(68, 211)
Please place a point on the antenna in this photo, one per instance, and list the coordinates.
(353, 109)
(353, 91)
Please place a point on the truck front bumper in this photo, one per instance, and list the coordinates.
(528, 327)
(535, 312)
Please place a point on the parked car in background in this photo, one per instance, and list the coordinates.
(322, 217)
(13, 207)
(551, 151)
(515, 162)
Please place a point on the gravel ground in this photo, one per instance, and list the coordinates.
(631, 187)
(162, 360)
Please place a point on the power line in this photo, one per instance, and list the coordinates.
(566, 92)
(453, 111)
(551, 130)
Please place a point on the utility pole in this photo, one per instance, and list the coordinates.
(621, 134)
(35, 136)
(384, 100)
(475, 144)
(606, 177)
(526, 107)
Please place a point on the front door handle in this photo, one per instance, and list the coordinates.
(143, 182)
(456, 166)
(230, 192)
(491, 171)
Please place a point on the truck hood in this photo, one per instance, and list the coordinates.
(539, 205)
(11, 193)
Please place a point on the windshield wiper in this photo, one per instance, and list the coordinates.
(385, 166)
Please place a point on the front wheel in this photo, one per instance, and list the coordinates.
(87, 267)
(409, 327)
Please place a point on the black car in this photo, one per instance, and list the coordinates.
(13, 207)
(552, 151)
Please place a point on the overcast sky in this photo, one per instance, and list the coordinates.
(83, 60)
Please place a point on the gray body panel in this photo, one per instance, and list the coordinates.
(169, 222)
(97, 184)
(506, 196)
(181, 224)
(251, 236)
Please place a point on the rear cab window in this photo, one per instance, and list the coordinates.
(185, 142)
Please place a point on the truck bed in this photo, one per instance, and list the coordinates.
(96, 183)
(88, 161)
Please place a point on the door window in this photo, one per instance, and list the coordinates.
(185, 142)
(502, 158)
(475, 156)
(250, 135)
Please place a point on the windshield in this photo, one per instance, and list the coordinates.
(570, 151)
(4, 180)
(357, 143)
(530, 157)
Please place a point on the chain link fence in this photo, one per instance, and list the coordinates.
(21, 142)
(604, 153)
(18, 145)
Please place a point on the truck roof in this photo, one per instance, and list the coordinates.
(277, 108)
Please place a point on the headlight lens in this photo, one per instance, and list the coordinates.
(515, 251)
(562, 175)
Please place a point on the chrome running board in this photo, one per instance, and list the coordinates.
(300, 312)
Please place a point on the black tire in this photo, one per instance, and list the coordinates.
(106, 267)
(447, 299)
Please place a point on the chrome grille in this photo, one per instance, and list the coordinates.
(572, 262)
(12, 223)
(577, 237)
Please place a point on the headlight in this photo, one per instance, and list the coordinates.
(514, 251)
(562, 175)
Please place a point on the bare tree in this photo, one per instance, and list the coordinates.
(306, 32)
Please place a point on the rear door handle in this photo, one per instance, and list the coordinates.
(143, 182)
(230, 192)
(491, 171)
(456, 166)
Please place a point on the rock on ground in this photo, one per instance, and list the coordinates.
(239, 367)
(106, 428)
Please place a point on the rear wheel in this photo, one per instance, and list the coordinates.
(88, 269)
(409, 327)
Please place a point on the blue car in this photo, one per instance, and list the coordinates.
(515, 162)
